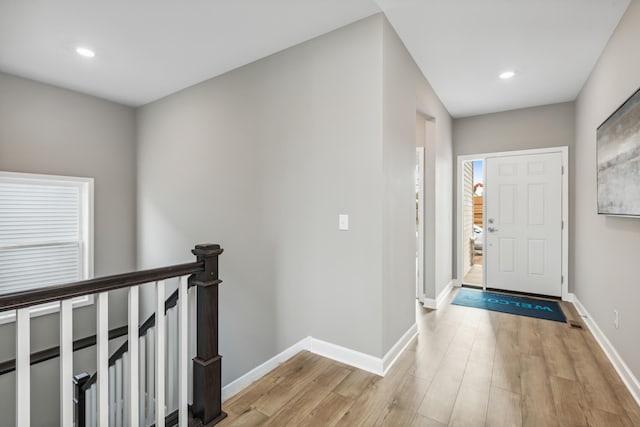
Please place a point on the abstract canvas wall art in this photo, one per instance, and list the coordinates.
(618, 160)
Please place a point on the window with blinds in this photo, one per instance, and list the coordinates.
(45, 230)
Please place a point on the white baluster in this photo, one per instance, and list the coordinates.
(143, 369)
(118, 394)
(176, 358)
(112, 396)
(193, 327)
(159, 353)
(66, 363)
(183, 349)
(150, 374)
(23, 368)
(94, 405)
(102, 389)
(126, 399)
(88, 407)
(170, 356)
(134, 385)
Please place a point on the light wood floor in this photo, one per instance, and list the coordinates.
(474, 275)
(468, 367)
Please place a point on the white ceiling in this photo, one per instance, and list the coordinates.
(462, 46)
(147, 49)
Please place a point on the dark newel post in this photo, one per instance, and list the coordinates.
(79, 400)
(207, 366)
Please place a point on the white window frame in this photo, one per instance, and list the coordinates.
(86, 234)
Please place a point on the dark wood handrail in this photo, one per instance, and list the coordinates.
(207, 365)
(33, 297)
(206, 409)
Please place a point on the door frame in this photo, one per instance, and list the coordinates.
(565, 209)
(420, 238)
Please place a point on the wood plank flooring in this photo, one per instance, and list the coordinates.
(467, 367)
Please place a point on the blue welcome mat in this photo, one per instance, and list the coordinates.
(523, 306)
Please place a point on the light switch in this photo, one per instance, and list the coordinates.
(343, 222)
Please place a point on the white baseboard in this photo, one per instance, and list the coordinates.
(392, 355)
(618, 363)
(347, 356)
(434, 304)
(258, 372)
(366, 362)
(430, 303)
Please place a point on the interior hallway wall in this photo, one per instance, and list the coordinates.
(606, 248)
(265, 158)
(524, 129)
(262, 160)
(49, 130)
(405, 93)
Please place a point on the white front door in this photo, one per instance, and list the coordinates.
(523, 232)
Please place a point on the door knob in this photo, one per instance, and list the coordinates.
(492, 230)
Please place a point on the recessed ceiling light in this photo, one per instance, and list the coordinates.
(507, 75)
(87, 53)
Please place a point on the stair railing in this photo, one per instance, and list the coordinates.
(206, 408)
(119, 366)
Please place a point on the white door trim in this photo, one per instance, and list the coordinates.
(565, 207)
(420, 239)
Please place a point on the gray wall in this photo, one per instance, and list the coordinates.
(524, 129)
(606, 248)
(405, 93)
(262, 160)
(47, 130)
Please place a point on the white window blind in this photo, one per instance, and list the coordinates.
(44, 231)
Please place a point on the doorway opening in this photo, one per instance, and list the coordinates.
(520, 242)
(419, 190)
(473, 222)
